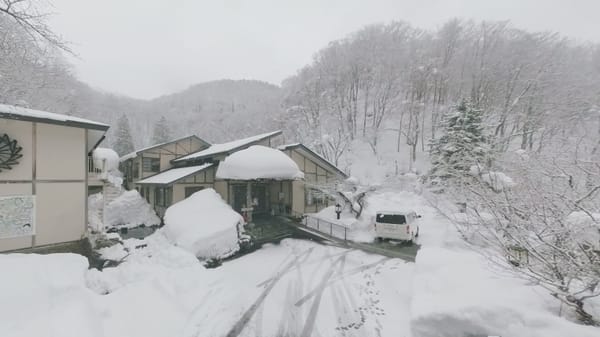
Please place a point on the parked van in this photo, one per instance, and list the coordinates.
(396, 225)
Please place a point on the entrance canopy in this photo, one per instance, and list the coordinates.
(259, 162)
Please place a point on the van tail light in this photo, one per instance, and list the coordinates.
(407, 229)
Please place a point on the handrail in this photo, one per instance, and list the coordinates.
(326, 227)
(91, 167)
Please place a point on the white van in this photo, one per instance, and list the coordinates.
(396, 225)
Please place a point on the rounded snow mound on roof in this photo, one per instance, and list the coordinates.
(259, 162)
(106, 158)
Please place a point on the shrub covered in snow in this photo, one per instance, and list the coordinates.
(128, 210)
(204, 224)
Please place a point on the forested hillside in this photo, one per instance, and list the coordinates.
(388, 86)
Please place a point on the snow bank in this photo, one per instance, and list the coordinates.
(258, 162)
(127, 210)
(456, 293)
(204, 224)
(45, 295)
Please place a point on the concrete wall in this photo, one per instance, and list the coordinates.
(53, 169)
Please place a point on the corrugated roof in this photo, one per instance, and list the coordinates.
(173, 175)
(226, 147)
(19, 113)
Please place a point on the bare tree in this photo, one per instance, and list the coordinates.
(28, 14)
(544, 228)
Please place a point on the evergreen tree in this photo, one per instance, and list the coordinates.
(124, 142)
(461, 146)
(161, 133)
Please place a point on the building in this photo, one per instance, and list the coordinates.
(190, 171)
(45, 172)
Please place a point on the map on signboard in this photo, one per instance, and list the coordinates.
(17, 216)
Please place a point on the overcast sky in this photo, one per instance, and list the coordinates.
(147, 48)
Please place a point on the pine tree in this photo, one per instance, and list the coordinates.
(161, 133)
(461, 146)
(124, 142)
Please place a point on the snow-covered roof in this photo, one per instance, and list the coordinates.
(19, 113)
(135, 153)
(259, 162)
(173, 175)
(313, 154)
(227, 147)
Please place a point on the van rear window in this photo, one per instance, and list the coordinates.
(396, 219)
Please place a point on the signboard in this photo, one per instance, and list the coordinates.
(17, 216)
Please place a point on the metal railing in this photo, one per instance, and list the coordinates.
(326, 227)
(91, 167)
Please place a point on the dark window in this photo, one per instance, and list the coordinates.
(136, 169)
(396, 219)
(163, 196)
(314, 197)
(159, 196)
(151, 164)
(191, 190)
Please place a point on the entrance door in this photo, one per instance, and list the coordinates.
(239, 197)
(259, 197)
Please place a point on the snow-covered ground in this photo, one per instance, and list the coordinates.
(296, 288)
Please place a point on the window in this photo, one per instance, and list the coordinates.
(136, 169)
(396, 219)
(151, 164)
(163, 196)
(315, 197)
(193, 189)
(159, 196)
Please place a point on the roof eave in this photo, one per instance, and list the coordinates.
(182, 160)
(82, 125)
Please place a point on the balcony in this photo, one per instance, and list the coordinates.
(96, 175)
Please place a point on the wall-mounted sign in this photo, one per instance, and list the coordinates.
(17, 216)
(10, 153)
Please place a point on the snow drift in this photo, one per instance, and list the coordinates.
(259, 162)
(204, 224)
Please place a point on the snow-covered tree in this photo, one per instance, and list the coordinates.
(162, 132)
(545, 227)
(123, 141)
(461, 145)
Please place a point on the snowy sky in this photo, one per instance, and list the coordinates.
(147, 48)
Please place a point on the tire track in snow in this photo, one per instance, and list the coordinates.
(243, 321)
(312, 314)
(350, 272)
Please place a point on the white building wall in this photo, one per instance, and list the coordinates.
(53, 169)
